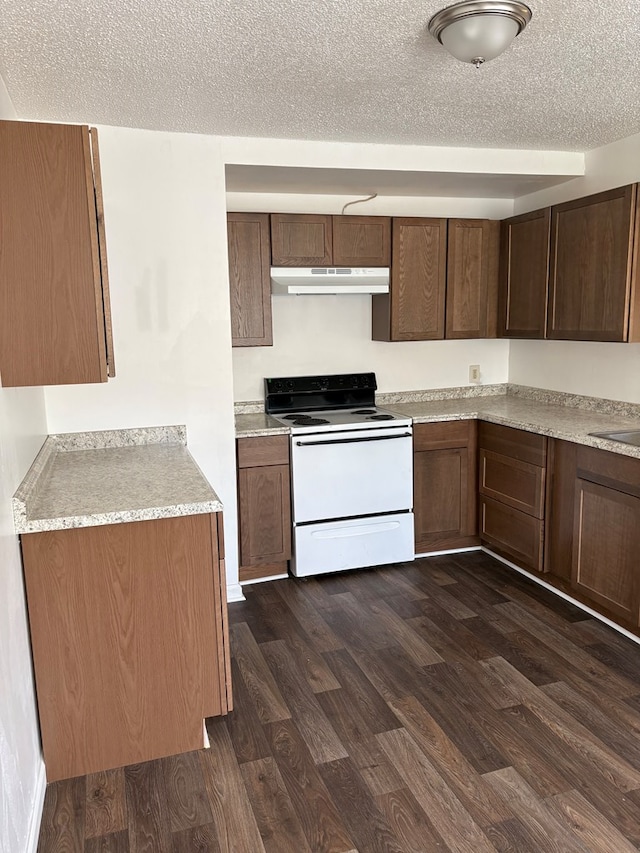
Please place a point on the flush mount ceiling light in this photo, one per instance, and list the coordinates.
(479, 30)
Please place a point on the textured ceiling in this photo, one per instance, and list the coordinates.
(352, 70)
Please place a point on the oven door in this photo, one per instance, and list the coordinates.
(351, 473)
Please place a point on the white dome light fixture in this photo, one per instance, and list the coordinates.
(477, 31)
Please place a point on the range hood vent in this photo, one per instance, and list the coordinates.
(329, 280)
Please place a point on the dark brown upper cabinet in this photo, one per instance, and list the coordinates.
(524, 275)
(472, 278)
(249, 279)
(55, 316)
(301, 240)
(307, 239)
(591, 282)
(361, 241)
(413, 310)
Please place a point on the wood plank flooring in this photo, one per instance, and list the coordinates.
(443, 706)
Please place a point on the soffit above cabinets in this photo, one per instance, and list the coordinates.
(358, 71)
(363, 182)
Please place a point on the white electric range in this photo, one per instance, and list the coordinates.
(351, 473)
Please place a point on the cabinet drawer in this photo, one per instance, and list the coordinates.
(516, 443)
(514, 534)
(518, 484)
(439, 436)
(264, 450)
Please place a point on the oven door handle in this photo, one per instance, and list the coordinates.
(352, 440)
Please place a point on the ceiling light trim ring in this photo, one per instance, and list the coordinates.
(518, 12)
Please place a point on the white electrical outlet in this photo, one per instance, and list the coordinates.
(474, 373)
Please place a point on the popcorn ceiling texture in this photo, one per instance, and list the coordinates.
(363, 70)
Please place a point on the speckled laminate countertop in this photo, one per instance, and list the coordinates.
(254, 424)
(564, 416)
(89, 479)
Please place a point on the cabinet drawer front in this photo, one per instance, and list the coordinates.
(266, 450)
(515, 534)
(439, 436)
(516, 443)
(517, 484)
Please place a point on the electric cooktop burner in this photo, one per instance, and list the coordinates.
(304, 420)
(380, 418)
(364, 412)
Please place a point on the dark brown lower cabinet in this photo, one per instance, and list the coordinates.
(512, 480)
(264, 506)
(129, 638)
(606, 533)
(607, 545)
(445, 485)
(561, 484)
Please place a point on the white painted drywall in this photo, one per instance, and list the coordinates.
(332, 334)
(166, 246)
(22, 431)
(597, 369)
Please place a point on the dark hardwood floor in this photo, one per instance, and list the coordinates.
(443, 705)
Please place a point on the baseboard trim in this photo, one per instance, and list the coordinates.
(449, 551)
(234, 592)
(564, 595)
(38, 806)
(262, 580)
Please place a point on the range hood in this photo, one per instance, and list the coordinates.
(314, 280)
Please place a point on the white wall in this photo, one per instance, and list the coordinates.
(332, 334)
(596, 369)
(22, 431)
(166, 245)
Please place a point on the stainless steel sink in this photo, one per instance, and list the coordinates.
(626, 437)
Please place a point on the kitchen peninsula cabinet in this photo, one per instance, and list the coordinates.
(249, 247)
(445, 485)
(129, 638)
(524, 275)
(472, 278)
(414, 308)
(512, 479)
(593, 275)
(302, 240)
(264, 506)
(55, 318)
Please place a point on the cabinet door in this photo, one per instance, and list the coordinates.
(445, 486)
(524, 275)
(606, 546)
(301, 240)
(264, 514)
(414, 308)
(472, 278)
(590, 279)
(123, 622)
(361, 241)
(249, 279)
(52, 303)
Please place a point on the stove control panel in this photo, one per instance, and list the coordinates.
(290, 393)
(309, 384)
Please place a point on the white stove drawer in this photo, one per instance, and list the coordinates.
(333, 546)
